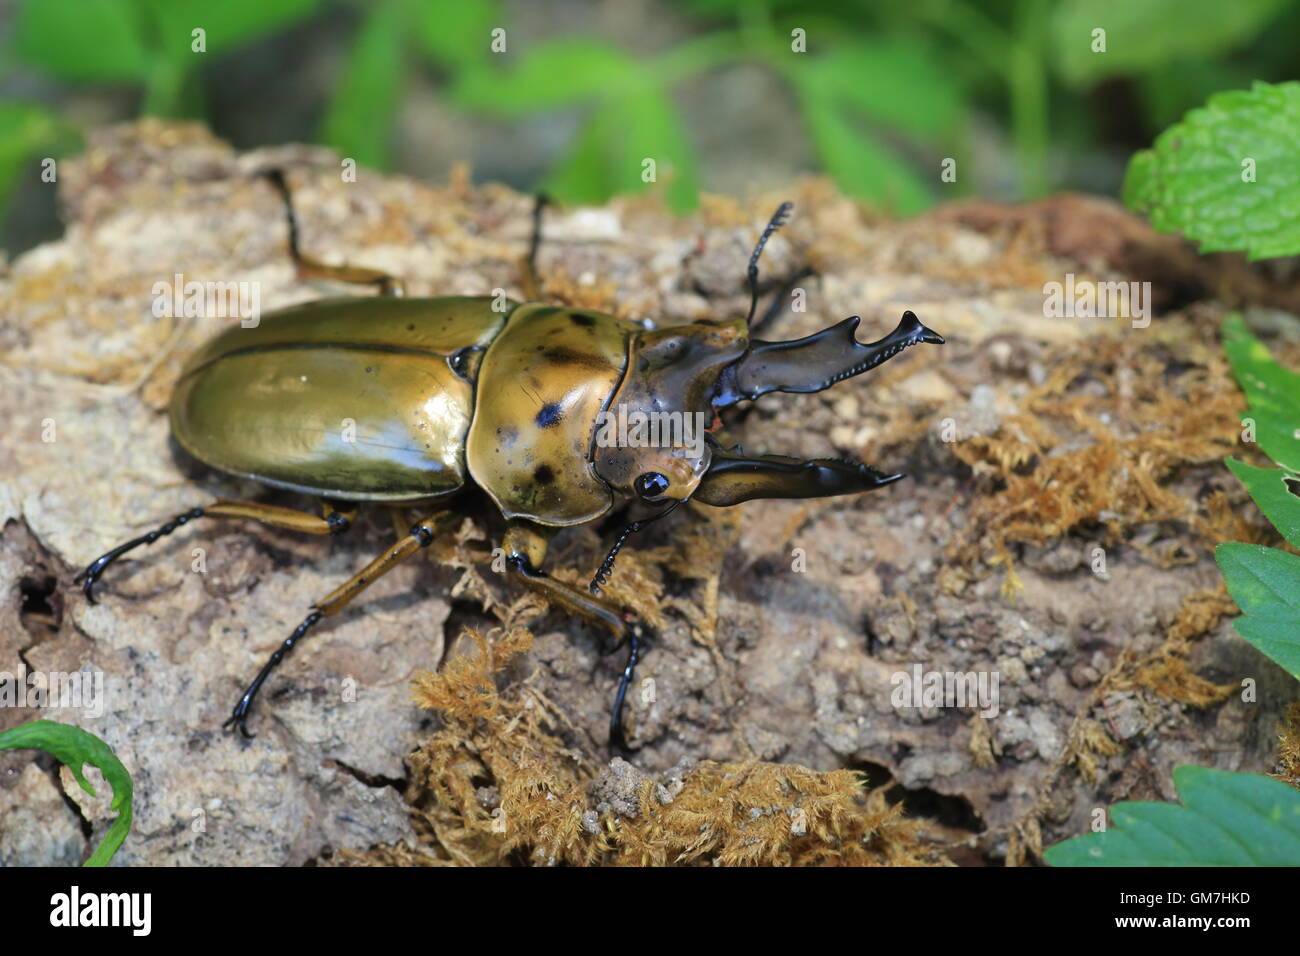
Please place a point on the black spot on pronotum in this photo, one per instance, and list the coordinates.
(585, 321)
(549, 416)
(543, 475)
(1292, 485)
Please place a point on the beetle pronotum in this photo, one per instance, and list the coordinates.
(449, 392)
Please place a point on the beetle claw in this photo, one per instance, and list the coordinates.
(633, 636)
(239, 718)
(90, 577)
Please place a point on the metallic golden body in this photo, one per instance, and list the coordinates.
(401, 400)
(542, 386)
(358, 399)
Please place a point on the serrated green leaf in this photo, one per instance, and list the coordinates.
(100, 41)
(454, 32)
(74, 748)
(1267, 384)
(861, 166)
(1265, 583)
(549, 75)
(1191, 181)
(359, 121)
(1267, 486)
(1150, 34)
(894, 79)
(1225, 819)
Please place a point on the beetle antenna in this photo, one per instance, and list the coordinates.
(607, 566)
(775, 223)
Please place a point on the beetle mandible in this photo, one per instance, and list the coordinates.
(449, 393)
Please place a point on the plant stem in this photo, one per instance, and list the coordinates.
(1028, 80)
(697, 55)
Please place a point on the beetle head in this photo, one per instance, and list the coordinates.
(691, 371)
(650, 440)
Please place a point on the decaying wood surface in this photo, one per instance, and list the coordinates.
(1032, 443)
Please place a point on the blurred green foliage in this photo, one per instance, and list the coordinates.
(885, 89)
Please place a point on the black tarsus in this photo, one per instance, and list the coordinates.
(617, 740)
(239, 716)
(90, 576)
(775, 223)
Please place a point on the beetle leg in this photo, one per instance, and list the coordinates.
(420, 536)
(344, 512)
(531, 281)
(333, 522)
(311, 268)
(401, 520)
(525, 547)
(775, 307)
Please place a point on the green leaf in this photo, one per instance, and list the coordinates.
(1265, 583)
(1269, 489)
(1267, 384)
(359, 120)
(453, 32)
(549, 75)
(1226, 819)
(608, 154)
(861, 166)
(99, 41)
(894, 79)
(74, 747)
(583, 175)
(648, 128)
(1277, 435)
(1192, 180)
(1149, 34)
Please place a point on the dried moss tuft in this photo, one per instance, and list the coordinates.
(1288, 757)
(496, 785)
(1100, 445)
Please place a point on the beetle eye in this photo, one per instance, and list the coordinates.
(650, 486)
